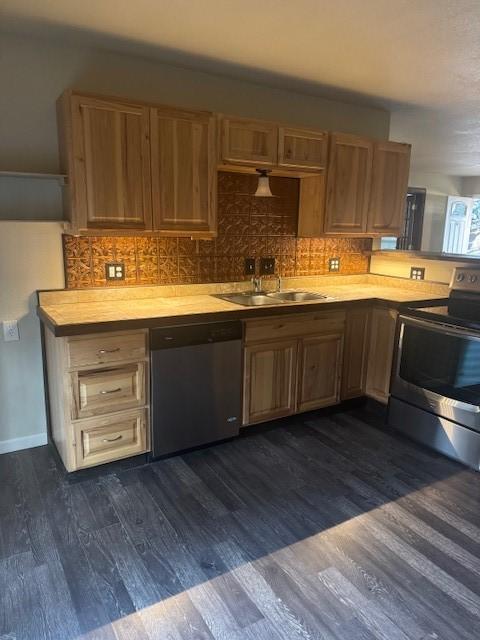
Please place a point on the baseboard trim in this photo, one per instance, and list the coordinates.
(27, 442)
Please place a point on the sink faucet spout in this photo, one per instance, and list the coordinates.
(256, 284)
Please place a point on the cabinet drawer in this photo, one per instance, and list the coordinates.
(298, 325)
(106, 390)
(100, 440)
(100, 349)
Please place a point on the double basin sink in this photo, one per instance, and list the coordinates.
(262, 298)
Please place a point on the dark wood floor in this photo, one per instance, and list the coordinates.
(320, 528)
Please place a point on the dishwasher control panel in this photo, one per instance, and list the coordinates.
(191, 334)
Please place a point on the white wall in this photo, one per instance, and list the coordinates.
(439, 187)
(34, 73)
(30, 259)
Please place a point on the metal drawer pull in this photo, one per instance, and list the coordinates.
(105, 391)
(102, 351)
(112, 439)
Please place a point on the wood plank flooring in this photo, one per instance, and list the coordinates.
(323, 527)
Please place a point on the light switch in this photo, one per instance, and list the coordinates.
(10, 331)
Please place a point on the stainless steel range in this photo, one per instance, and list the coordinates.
(435, 392)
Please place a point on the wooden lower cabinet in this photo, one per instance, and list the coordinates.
(380, 353)
(320, 368)
(355, 352)
(269, 381)
(98, 392)
(299, 371)
(307, 361)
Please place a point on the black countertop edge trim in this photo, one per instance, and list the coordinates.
(217, 316)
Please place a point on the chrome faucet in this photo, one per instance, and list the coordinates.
(256, 284)
(279, 283)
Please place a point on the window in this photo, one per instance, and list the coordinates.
(388, 243)
(462, 226)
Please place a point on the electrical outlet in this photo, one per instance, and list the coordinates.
(267, 266)
(115, 270)
(334, 264)
(417, 273)
(249, 269)
(10, 331)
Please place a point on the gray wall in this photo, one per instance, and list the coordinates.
(471, 186)
(30, 258)
(34, 72)
(439, 187)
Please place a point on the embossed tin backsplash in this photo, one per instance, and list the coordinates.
(247, 227)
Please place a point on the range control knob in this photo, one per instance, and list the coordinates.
(460, 277)
(473, 278)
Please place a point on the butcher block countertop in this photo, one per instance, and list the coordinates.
(76, 312)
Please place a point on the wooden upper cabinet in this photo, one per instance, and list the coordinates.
(109, 163)
(248, 142)
(183, 171)
(302, 149)
(348, 184)
(391, 165)
(139, 168)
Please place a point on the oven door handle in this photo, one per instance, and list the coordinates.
(441, 327)
(443, 400)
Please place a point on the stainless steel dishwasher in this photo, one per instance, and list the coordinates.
(196, 385)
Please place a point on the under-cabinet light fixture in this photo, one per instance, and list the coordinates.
(263, 188)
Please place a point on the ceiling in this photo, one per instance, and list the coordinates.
(418, 58)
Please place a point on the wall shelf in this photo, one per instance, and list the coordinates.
(59, 177)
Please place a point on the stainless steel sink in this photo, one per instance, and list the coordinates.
(249, 299)
(262, 299)
(296, 296)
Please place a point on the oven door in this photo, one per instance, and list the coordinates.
(438, 369)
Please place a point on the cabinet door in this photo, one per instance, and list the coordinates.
(269, 381)
(388, 197)
(111, 164)
(249, 142)
(355, 353)
(380, 353)
(320, 370)
(183, 171)
(311, 206)
(348, 184)
(302, 149)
